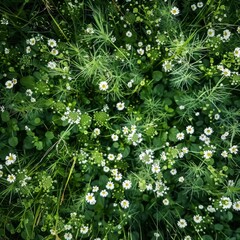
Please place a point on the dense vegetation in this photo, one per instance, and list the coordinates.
(119, 119)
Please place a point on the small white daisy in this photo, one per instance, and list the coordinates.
(120, 106)
(103, 86)
(175, 11)
(124, 204)
(182, 223)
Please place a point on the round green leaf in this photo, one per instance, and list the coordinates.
(13, 141)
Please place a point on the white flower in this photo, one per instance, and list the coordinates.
(103, 193)
(197, 218)
(90, 198)
(53, 231)
(96, 131)
(211, 209)
(180, 136)
(187, 238)
(52, 43)
(110, 185)
(67, 227)
(128, 33)
(140, 51)
(216, 116)
(124, 204)
(226, 34)
(114, 137)
(10, 159)
(128, 46)
(194, 7)
(190, 129)
(225, 202)
(6, 51)
(167, 66)
(28, 49)
(236, 52)
(208, 131)
(32, 41)
(119, 156)
(211, 32)
(233, 149)
(175, 11)
(11, 178)
(127, 184)
(182, 223)
(226, 72)
(84, 229)
(33, 99)
(54, 52)
(120, 106)
(111, 157)
(165, 201)
(118, 177)
(90, 30)
(52, 65)
(29, 92)
(173, 171)
(200, 4)
(181, 179)
(9, 84)
(103, 86)
(207, 154)
(236, 206)
(68, 236)
(203, 137)
(95, 188)
(147, 156)
(185, 150)
(224, 154)
(155, 168)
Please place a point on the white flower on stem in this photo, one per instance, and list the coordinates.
(9, 84)
(124, 204)
(127, 184)
(175, 11)
(103, 86)
(11, 178)
(90, 198)
(182, 223)
(120, 106)
(211, 32)
(237, 52)
(10, 159)
(197, 218)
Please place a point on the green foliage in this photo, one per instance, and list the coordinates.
(119, 120)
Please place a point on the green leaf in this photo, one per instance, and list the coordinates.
(49, 135)
(126, 151)
(28, 82)
(158, 90)
(39, 145)
(218, 227)
(13, 141)
(27, 143)
(172, 134)
(37, 121)
(157, 75)
(5, 116)
(207, 237)
(229, 216)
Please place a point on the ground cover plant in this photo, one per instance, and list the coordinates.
(119, 119)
